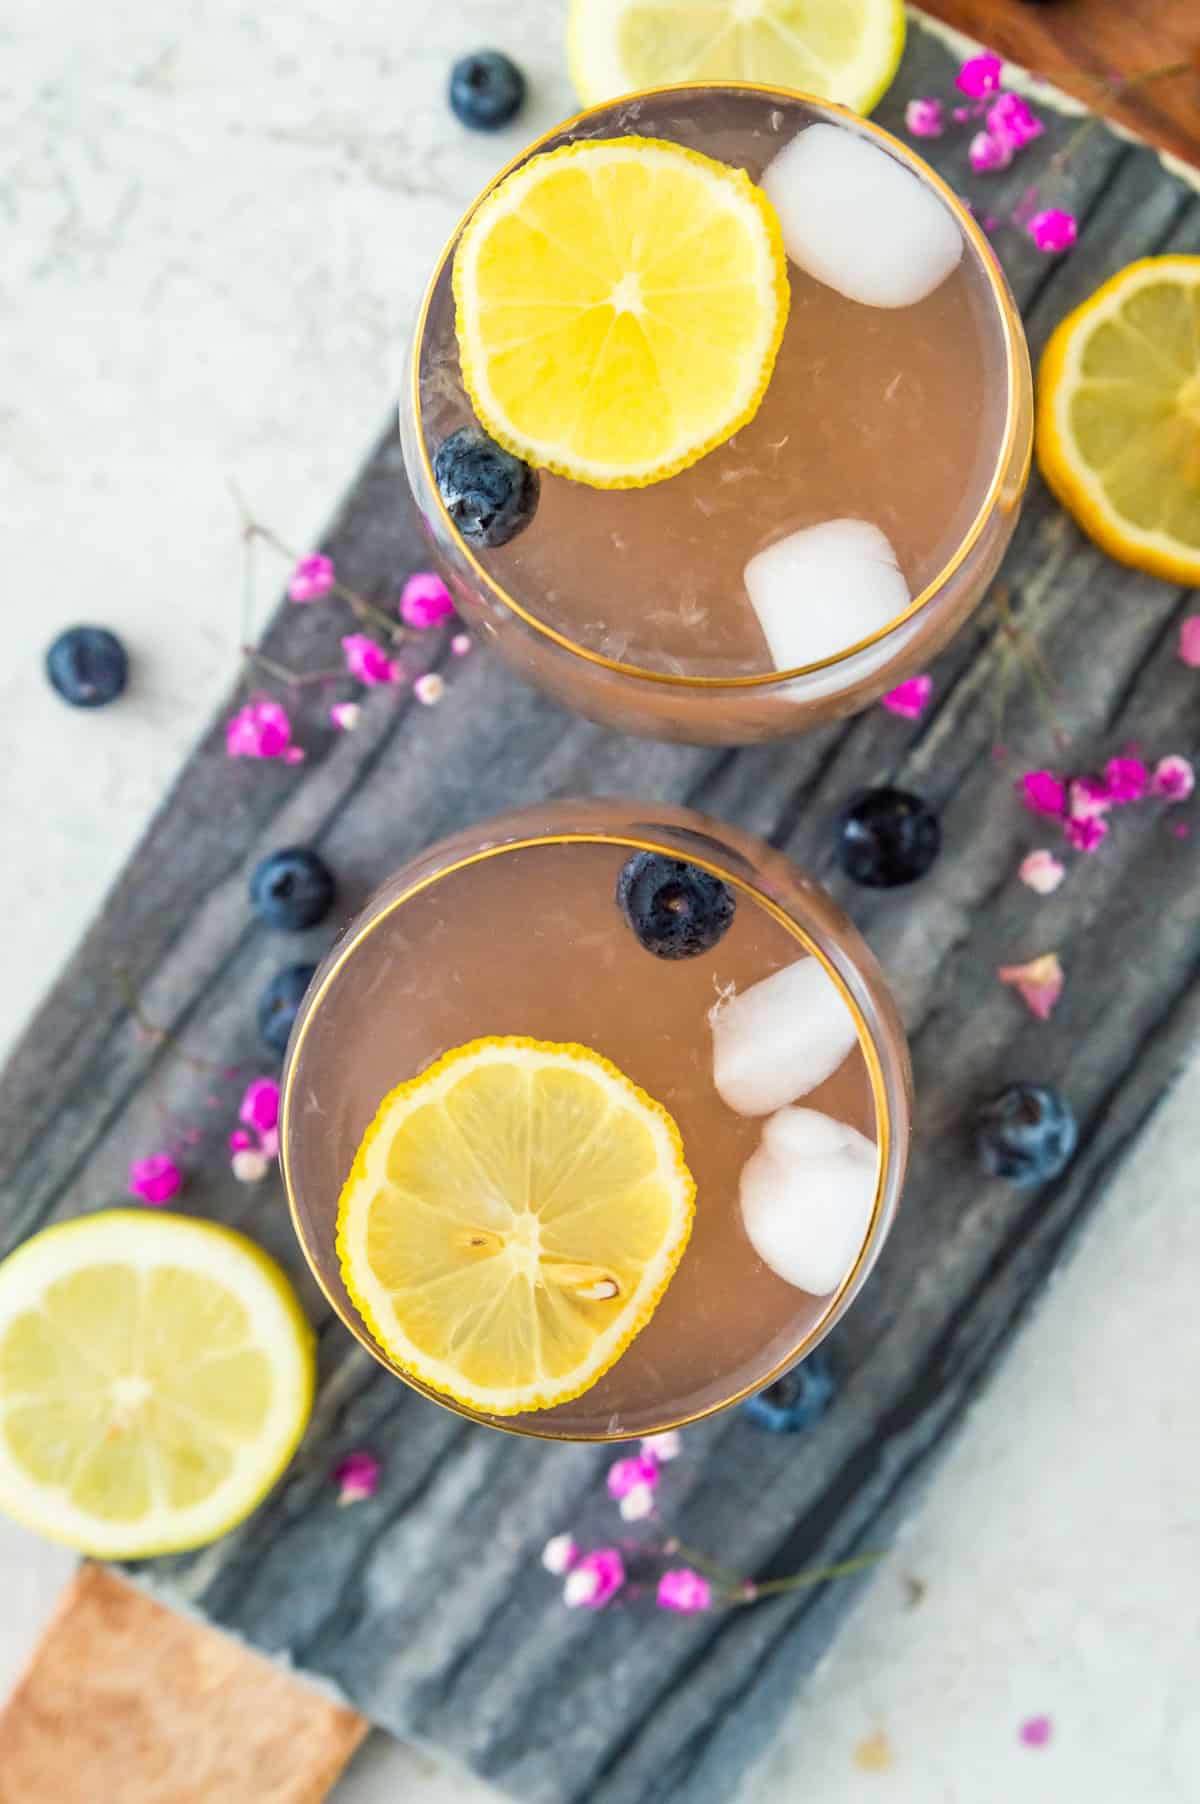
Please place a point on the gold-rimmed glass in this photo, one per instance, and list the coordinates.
(541, 635)
(511, 927)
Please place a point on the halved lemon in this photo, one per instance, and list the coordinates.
(156, 1375)
(620, 304)
(1118, 416)
(513, 1217)
(844, 50)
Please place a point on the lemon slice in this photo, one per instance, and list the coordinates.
(156, 1374)
(844, 50)
(619, 307)
(513, 1217)
(1118, 416)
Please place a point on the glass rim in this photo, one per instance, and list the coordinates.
(834, 1305)
(1015, 357)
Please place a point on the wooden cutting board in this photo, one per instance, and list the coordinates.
(426, 1604)
(128, 1703)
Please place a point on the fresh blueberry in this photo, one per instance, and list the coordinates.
(796, 1400)
(1026, 1134)
(675, 909)
(280, 1002)
(292, 889)
(489, 494)
(88, 666)
(887, 837)
(486, 90)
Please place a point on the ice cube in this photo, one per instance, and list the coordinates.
(858, 220)
(806, 1195)
(824, 588)
(780, 1038)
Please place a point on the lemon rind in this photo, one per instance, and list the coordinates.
(130, 1234)
(592, 46)
(1066, 475)
(756, 204)
(424, 1089)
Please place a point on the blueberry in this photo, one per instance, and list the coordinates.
(1026, 1134)
(887, 837)
(675, 909)
(292, 889)
(280, 1002)
(796, 1400)
(486, 90)
(88, 666)
(489, 494)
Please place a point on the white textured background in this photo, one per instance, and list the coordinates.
(215, 221)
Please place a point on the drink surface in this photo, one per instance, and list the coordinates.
(892, 415)
(530, 941)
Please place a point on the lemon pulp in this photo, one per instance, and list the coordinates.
(1118, 426)
(513, 1216)
(843, 50)
(619, 306)
(156, 1374)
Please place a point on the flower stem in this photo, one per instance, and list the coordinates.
(294, 678)
(802, 1580)
(358, 604)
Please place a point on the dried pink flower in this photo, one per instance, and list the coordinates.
(1035, 1732)
(1189, 640)
(461, 644)
(684, 1591)
(312, 578)
(594, 1579)
(242, 1141)
(979, 75)
(429, 689)
(250, 1165)
(155, 1180)
(260, 1104)
(988, 151)
(1043, 793)
(425, 600)
(1127, 780)
(261, 729)
(1173, 779)
(357, 1477)
(1088, 798)
(1042, 871)
(1053, 230)
(1086, 835)
(559, 1554)
(268, 1143)
(923, 118)
(663, 1447)
(625, 1474)
(344, 716)
(367, 660)
(637, 1503)
(909, 699)
(1011, 118)
(1038, 983)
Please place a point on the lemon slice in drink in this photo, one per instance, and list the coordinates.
(619, 308)
(156, 1374)
(513, 1217)
(1118, 416)
(844, 50)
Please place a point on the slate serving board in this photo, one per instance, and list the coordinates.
(426, 1605)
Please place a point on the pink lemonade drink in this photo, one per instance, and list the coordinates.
(597, 1040)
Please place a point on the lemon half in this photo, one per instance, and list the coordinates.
(513, 1216)
(1118, 416)
(156, 1374)
(619, 307)
(843, 50)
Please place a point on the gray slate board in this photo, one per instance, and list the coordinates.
(426, 1604)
